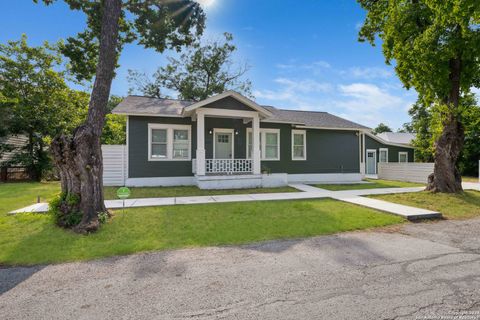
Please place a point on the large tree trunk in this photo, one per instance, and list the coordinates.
(446, 176)
(79, 157)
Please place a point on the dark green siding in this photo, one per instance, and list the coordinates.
(138, 164)
(328, 151)
(228, 103)
(392, 150)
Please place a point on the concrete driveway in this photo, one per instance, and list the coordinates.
(430, 269)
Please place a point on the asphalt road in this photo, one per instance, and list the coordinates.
(417, 271)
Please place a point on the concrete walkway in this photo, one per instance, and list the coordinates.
(309, 192)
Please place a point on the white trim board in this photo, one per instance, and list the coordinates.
(325, 178)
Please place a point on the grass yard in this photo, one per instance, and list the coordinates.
(18, 195)
(457, 206)
(374, 184)
(470, 179)
(33, 238)
(158, 192)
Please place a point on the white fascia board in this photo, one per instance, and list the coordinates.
(329, 128)
(149, 114)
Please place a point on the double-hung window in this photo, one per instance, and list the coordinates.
(383, 155)
(299, 145)
(403, 157)
(169, 142)
(269, 144)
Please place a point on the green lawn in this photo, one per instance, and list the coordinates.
(158, 192)
(17, 195)
(456, 206)
(33, 238)
(374, 184)
(470, 179)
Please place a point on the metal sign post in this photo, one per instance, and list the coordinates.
(123, 193)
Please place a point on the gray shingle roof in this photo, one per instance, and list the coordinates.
(312, 119)
(138, 105)
(397, 137)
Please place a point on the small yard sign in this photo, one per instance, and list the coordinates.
(123, 193)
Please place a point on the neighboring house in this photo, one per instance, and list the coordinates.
(228, 141)
(16, 143)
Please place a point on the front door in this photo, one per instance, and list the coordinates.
(223, 146)
(371, 162)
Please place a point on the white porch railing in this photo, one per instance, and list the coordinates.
(228, 166)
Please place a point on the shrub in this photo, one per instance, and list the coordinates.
(103, 217)
(64, 209)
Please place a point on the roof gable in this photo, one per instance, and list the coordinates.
(228, 100)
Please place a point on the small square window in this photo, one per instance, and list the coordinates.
(223, 138)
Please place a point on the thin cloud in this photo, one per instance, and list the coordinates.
(368, 96)
(304, 86)
(367, 73)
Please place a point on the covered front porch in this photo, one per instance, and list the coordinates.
(227, 143)
(223, 146)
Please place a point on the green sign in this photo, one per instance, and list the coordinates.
(123, 193)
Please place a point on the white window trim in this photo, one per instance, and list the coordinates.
(380, 156)
(169, 128)
(264, 141)
(405, 153)
(304, 133)
(222, 130)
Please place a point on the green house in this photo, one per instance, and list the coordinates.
(229, 141)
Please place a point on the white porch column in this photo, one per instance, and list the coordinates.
(256, 145)
(363, 156)
(200, 143)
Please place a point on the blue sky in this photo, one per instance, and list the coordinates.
(303, 54)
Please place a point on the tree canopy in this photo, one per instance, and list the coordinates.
(159, 24)
(36, 100)
(435, 45)
(422, 37)
(427, 124)
(381, 128)
(200, 72)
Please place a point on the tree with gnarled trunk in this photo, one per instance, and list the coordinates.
(158, 24)
(436, 47)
